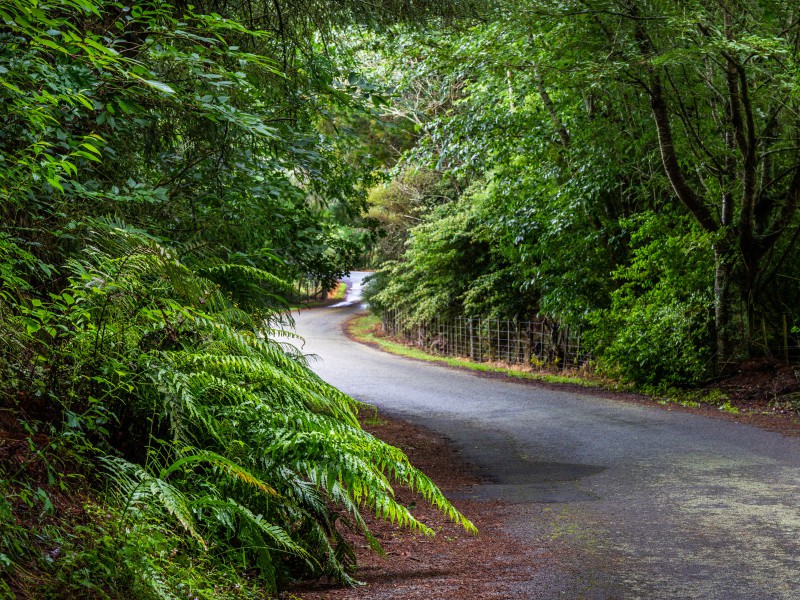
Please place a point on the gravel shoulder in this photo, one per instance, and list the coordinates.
(453, 564)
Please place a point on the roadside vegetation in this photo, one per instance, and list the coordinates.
(171, 174)
(168, 173)
(626, 168)
(366, 328)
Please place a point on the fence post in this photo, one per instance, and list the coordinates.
(471, 342)
(499, 351)
(785, 340)
(508, 340)
(449, 338)
(541, 342)
(526, 349)
(480, 339)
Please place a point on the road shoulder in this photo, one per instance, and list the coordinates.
(455, 564)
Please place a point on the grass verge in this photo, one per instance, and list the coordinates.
(366, 328)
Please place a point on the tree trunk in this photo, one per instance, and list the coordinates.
(724, 304)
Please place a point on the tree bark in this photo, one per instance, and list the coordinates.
(563, 134)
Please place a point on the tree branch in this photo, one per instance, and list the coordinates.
(548, 103)
(666, 141)
(669, 158)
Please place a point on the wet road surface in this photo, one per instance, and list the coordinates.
(655, 504)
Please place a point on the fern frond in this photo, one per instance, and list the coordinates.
(147, 488)
(229, 467)
(269, 457)
(246, 273)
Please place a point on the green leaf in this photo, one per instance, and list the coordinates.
(55, 183)
(83, 100)
(85, 155)
(160, 86)
(91, 148)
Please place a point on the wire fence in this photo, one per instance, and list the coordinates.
(307, 289)
(778, 340)
(541, 342)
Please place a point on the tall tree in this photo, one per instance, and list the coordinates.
(720, 79)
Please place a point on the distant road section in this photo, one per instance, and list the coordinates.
(355, 285)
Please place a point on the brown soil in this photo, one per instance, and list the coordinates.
(767, 385)
(49, 471)
(454, 563)
(760, 392)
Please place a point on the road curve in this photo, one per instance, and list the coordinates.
(659, 504)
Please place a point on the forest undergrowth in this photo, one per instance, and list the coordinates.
(161, 441)
(170, 175)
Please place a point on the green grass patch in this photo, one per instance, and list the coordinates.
(696, 398)
(340, 292)
(367, 328)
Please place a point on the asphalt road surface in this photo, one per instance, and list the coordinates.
(656, 504)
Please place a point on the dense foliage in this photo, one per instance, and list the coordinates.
(628, 167)
(168, 172)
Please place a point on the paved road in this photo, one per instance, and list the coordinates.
(659, 504)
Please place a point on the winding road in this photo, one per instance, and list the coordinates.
(657, 504)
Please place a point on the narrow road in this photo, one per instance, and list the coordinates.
(658, 504)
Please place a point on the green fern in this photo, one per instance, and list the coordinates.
(227, 466)
(140, 489)
(231, 436)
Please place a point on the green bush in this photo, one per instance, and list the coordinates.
(657, 332)
(658, 346)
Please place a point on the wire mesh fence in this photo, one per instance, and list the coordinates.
(307, 289)
(541, 342)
